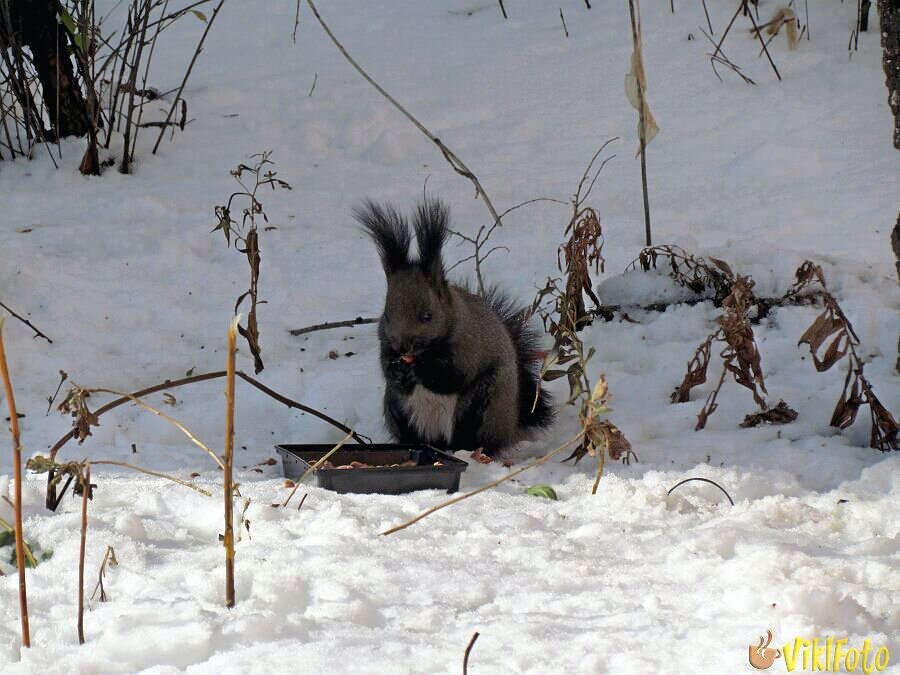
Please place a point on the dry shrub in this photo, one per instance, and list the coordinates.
(247, 234)
(833, 326)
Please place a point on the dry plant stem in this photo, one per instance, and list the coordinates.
(320, 462)
(130, 125)
(704, 480)
(762, 41)
(503, 9)
(484, 234)
(708, 22)
(455, 162)
(229, 462)
(17, 481)
(178, 425)
(37, 333)
(187, 74)
(290, 403)
(643, 128)
(147, 72)
(358, 321)
(99, 586)
(601, 460)
(52, 500)
(29, 556)
(152, 473)
(85, 495)
(450, 502)
(474, 636)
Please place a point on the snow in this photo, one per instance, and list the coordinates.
(123, 273)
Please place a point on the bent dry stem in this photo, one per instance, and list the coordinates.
(17, 480)
(483, 488)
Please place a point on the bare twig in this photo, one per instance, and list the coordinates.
(455, 162)
(563, 22)
(642, 121)
(763, 43)
(484, 234)
(109, 559)
(171, 420)
(324, 458)
(358, 321)
(229, 463)
(17, 481)
(52, 499)
(704, 480)
(475, 634)
(503, 9)
(708, 22)
(296, 26)
(140, 469)
(483, 488)
(63, 376)
(187, 74)
(37, 333)
(315, 77)
(85, 496)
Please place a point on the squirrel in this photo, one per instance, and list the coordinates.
(459, 368)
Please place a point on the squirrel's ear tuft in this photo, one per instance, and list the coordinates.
(432, 225)
(388, 229)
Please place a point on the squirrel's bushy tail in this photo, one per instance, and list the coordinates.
(532, 414)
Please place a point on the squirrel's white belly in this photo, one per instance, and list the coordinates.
(431, 414)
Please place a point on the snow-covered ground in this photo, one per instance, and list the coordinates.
(123, 273)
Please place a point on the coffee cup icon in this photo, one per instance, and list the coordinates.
(761, 656)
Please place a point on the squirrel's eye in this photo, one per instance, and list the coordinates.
(425, 316)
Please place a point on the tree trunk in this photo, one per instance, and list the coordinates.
(35, 21)
(890, 44)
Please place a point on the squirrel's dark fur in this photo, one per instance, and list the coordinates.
(460, 368)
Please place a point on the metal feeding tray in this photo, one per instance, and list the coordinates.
(386, 468)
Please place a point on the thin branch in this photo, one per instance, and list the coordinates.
(475, 634)
(52, 499)
(108, 558)
(188, 73)
(229, 463)
(763, 43)
(455, 162)
(642, 122)
(324, 458)
(37, 333)
(358, 321)
(17, 481)
(708, 22)
(85, 496)
(296, 26)
(172, 384)
(134, 467)
(483, 488)
(705, 480)
(178, 425)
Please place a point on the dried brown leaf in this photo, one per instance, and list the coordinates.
(782, 413)
(696, 371)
